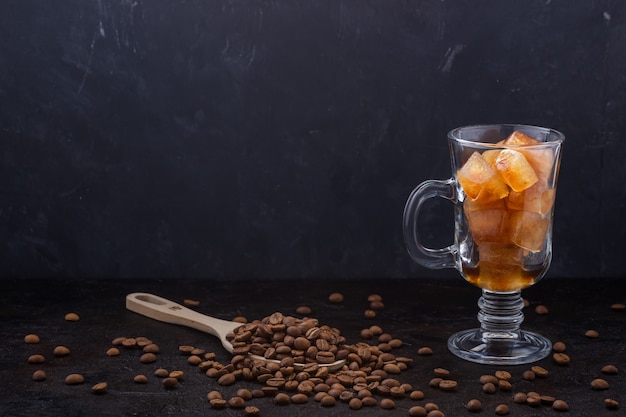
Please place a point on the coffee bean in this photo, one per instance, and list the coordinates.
(431, 407)
(335, 298)
(61, 351)
(434, 383)
(303, 310)
(611, 404)
(140, 379)
(539, 371)
(218, 403)
(505, 375)
(236, 402)
(369, 401)
(191, 303)
(226, 379)
(533, 400)
(425, 351)
(376, 330)
(355, 404)
(502, 409)
(488, 378)
(169, 382)
(377, 305)
(177, 374)
(435, 413)
(72, 317)
(609, 369)
(251, 410)
(129, 342)
(618, 307)
(547, 399)
(74, 379)
(441, 372)
(328, 401)
(366, 334)
(504, 385)
(541, 310)
(489, 388)
(369, 314)
(560, 405)
(151, 348)
(529, 375)
(592, 334)
(36, 359)
(387, 404)
(561, 358)
(520, 398)
(112, 352)
(31, 338)
(559, 347)
(161, 373)
(416, 395)
(474, 405)
(213, 395)
(417, 411)
(148, 358)
(39, 375)
(599, 384)
(99, 388)
(448, 385)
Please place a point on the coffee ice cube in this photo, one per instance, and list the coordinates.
(528, 230)
(480, 181)
(515, 170)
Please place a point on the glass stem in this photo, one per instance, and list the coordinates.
(500, 316)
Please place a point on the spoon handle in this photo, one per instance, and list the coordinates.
(167, 311)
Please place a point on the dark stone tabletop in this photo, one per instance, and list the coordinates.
(420, 312)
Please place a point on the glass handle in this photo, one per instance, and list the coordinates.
(427, 257)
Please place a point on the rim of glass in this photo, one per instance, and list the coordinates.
(555, 136)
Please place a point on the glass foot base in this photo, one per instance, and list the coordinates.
(528, 347)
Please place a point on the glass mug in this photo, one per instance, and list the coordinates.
(503, 188)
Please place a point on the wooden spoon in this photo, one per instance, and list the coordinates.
(167, 311)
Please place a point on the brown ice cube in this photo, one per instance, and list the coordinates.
(501, 254)
(515, 170)
(480, 181)
(538, 199)
(486, 225)
(528, 230)
(540, 158)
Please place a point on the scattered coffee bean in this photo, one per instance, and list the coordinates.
(547, 399)
(185, 349)
(560, 405)
(474, 405)
(148, 358)
(252, 410)
(502, 409)
(117, 341)
(151, 348)
(533, 400)
(559, 347)
(592, 334)
(366, 334)
(328, 401)
(520, 398)
(72, 317)
(504, 385)
(618, 307)
(129, 342)
(416, 395)
(425, 351)
(441, 372)
(281, 399)
(170, 383)
(74, 379)
(609, 370)
(142, 341)
(176, 374)
(489, 388)
(191, 303)
(417, 411)
(236, 402)
(140, 379)
(448, 385)
(539, 371)
(112, 352)
(505, 375)
(369, 314)
(541, 310)
(561, 358)
(387, 404)
(488, 378)
(529, 375)
(434, 383)
(218, 403)
(39, 375)
(303, 310)
(299, 398)
(61, 351)
(376, 330)
(435, 413)
(99, 388)
(611, 404)
(377, 305)
(431, 407)
(226, 379)
(599, 384)
(335, 298)
(161, 373)
(31, 339)
(36, 359)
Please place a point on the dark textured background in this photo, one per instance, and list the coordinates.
(281, 138)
